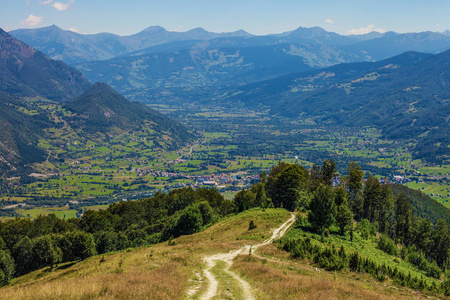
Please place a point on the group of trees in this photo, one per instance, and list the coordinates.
(26, 244)
(355, 197)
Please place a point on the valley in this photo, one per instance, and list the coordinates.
(232, 147)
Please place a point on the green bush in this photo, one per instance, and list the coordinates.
(387, 245)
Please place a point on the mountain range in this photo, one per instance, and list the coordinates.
(33, 86)
(406, 96)
(156, 64)
(72, 47)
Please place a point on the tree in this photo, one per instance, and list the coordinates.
(261, 197)
(189, 222)
(314, 178)
(373, 201)
(323, 208)
(244, 200)
(344, 216)
(287, 187)
(7, 267)
(22, 253)
(78, 245)
(46, 252)
(386, 219)
(353, 182)
(441, 243)
(273, 175)
(328, 172)
(208, 215)
(340, 196)
(403, 218)
(423, 235)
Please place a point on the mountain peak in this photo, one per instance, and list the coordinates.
(52, 28)
(198, 30)
(153, 29)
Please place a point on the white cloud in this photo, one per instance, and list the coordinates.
(32, 20)
(329, 21)
(178, 29)
(62, 6)
(46, 2)
(365, 30)
(74, 29)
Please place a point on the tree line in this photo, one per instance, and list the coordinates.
(27, 245)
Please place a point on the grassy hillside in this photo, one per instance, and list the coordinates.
(19, 135)
(102, 109)
(174, 270)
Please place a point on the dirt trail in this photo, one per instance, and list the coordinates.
(228, 259)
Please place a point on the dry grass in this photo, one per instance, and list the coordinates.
(157, 272)
(279, 277)
(168, 272)
(130, 275)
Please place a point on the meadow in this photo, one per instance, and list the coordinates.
(175, 270)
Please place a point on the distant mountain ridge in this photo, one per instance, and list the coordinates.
(27, 72)
(72, 47)
(160, 64)
(160, 75)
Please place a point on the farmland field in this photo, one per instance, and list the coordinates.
(231, 149)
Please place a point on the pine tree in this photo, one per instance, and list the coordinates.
(353, 182)
(403, 217)
(344, 217)
(323, 208)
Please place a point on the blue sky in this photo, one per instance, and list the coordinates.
(255, 16)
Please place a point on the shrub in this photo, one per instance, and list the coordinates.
(251, 225)
(387, 245)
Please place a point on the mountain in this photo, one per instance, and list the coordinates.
(102, 109)
(27, 72)
(405, 96)
(315, 35)
(306, 83)
(392, 43)
(367, 36)
(73, 48)
(19, 135)
(158, 75)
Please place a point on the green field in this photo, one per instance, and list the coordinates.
(133, 165)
